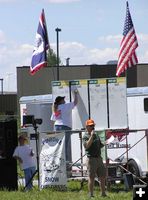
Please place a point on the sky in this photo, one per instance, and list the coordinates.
(91, 31)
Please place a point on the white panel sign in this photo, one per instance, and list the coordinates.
(61, 88)
(103, 100)
(80, 112)
(98, 102)
(117, 103)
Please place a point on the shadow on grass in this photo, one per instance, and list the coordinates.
(76, 186)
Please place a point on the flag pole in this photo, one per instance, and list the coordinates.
(57, 31)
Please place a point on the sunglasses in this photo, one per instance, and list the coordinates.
(91, 125)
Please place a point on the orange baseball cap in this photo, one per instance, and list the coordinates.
(89, 122)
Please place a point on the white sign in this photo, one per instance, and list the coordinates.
(117, 107)
(61, 88)
(52, 161)
(98, 102)
(80, 112)
(103, 100)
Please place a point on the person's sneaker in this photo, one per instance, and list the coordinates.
(91, 196)
(104, 195)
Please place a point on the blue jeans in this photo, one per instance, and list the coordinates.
(67, 141)
(28, 175)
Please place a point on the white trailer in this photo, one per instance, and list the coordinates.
(41, 107)
(132, 148)
(137, 115)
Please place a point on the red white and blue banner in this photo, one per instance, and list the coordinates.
(127, 54)
(52, 161)
(39, 57)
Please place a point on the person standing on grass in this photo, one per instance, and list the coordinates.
(24, 154)
(95, 166)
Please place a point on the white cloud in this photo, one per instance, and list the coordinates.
(110, 38)
(2, 37)
(11, 56)
(117, 38)
(143, 37)
(144, 57)
(102, 56)
(81, 55)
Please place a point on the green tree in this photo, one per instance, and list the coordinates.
(52, 58)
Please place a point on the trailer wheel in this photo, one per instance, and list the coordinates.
(133, 168)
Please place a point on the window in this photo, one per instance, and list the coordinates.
(146, 104)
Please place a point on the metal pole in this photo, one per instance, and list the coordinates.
(57, 30)
(80, 136)
(1, 85)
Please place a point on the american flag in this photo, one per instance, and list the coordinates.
(39, 57)
(129, 43)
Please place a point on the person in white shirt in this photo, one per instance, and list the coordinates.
(24, 154)
(62, 117)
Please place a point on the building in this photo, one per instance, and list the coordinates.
(8, 106)
(40, 83)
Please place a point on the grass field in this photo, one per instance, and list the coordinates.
(73, 192)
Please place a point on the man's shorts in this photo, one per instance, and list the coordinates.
(95, 167)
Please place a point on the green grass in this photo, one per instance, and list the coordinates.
(73, 192)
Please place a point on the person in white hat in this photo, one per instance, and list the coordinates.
(24, 154)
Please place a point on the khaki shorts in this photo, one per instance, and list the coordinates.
(95, 167)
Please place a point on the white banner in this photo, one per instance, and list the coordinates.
(52, 161)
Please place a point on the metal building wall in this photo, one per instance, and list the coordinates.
(8, 104)
(142, 75)
(40, 83)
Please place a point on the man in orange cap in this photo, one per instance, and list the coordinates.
(95, 166)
